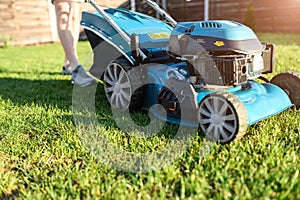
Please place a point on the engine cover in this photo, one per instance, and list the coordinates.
(219, 52)
(193, 38)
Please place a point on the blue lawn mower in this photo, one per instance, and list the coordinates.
(207, 68)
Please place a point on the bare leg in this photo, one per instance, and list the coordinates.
(75, 22)
(63, 15)
(68, 26)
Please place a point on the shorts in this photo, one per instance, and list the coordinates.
(79, 1)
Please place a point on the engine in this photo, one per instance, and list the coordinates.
(220, 53)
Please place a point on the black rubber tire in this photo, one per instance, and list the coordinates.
(290, 83)
(136, 80)
(207, 117)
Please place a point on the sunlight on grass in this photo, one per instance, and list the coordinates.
(42, 157)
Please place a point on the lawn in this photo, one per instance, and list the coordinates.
(42, 155)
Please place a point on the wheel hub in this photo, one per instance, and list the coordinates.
(117, 87)
(216, 119)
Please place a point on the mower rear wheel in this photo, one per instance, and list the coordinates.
(290, 83)
(119, 87)
(222, 117)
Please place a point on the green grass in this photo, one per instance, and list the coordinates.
(42, 156)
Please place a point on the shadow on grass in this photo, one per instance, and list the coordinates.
(56, 93)
(13, 195)
(31, 72)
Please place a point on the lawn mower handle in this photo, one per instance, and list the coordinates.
(156, 7)
(109, 20)
(114, 25)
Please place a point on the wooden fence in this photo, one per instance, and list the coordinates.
(26, 22)
(270, 15)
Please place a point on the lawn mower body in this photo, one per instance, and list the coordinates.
(152, 32)
(209, 66)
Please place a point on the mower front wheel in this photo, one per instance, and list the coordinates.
(290, 83)
(222, 117)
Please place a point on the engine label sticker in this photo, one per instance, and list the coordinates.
(201, 41)
(219, 43)
(158, 36)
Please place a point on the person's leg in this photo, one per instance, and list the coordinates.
(63, 15)
(75, 22)
(68, 24)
